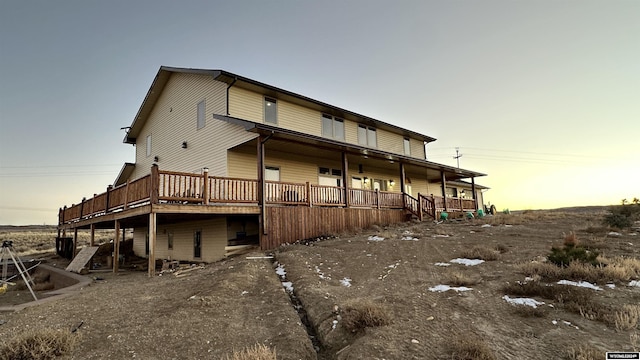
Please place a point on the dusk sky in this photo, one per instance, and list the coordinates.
(543, 96)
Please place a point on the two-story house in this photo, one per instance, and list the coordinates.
(224, 161)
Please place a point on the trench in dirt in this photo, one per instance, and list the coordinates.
(302, 312)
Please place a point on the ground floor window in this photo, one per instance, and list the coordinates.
(170, 240)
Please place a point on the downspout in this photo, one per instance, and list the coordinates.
(229, 87)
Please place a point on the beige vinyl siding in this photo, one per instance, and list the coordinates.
(390, 142)
(247, 105)
(299, 118)
(293, 168)
(351, 132)
(418, 184)
(174, 120)
(417, 148)
(214, 240)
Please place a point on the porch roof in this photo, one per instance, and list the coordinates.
(451, 173)
(164, 73)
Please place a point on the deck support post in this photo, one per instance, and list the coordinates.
(93, 235)
(443, 180)
(155, 184)
(152, 243)
(402, 185)
(262, 220)
(75, 242)
(116, 247)
(345, 179)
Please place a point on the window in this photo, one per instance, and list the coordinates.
(270, 110)
(407, 146)
(170, 240)
(332, 127)
(367, 136)
(201, 116)
(272, 173)
(329, 177)
(148, 145)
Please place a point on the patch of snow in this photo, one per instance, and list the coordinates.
(522, 301)
(415, 341)
(613, 233)
(528, 278)
(440, 235)
(288, 285)
(346, 282)
(410, 238)
(244, 292)
(472, 232)
(486, 225)
(281, 271)
(443, 288)
(321, 275)
(611, 286)
(584, 284)
(554, 322)
(375, 238)
(508, 225)
(335, 323)
(635, 283)
(633, 234)
(369, 255)
(467, 262)
(442, 264)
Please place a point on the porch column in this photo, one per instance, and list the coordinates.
(152, 243)
(262, 223)
(116, 247)
(443, 180)
(402, 184)
(473, 192)
(93, 235)
(345, 179)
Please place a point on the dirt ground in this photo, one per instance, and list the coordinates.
(238, 302)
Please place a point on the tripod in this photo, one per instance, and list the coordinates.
(7, 252)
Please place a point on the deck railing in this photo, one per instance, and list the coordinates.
(184, 188)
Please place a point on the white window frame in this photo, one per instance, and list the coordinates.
(370, 137)
(201, 118)
(274, 102)
(334, 125)
(406, 142)
(148, 145)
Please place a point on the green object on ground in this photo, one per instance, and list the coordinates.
(480, 213)
(470, 215)
(444, 216)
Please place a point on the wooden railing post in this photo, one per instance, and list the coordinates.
(126, 195)
(205, 191)
(461, 204)
(309, 202)
(155, 184)
(106, 201)
(60, 218)
(82, 207)
(377, 198)
(93, 204)
(420, 211)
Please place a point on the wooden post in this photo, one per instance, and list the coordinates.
(205, 192)
(261, 187)
(443, 179)
(152, 243)
(75, 242)
(420, 211)
(126, 196)
(155, 185)
(402, 185)
(82, 207)
(473, 192)
(309, 204)
(64, 216)
(93, 204)
(116, 247)
(60, 218)
(345, 179)
(106, 203)
(378, 199)
(93, 235)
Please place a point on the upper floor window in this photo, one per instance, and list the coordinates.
(148, 145)
(270, 110)
(201, 117)
(407, 146)
(332, 127)
(367, 136)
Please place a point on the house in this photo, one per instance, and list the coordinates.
(224, 162)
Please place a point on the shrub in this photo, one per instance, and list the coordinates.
(569, 253)
(359, 315)
(458, 278)
(40, 344)
(469, 347)
(584, 353)
(529, 311)
(481, 252)
(256, 352)
(627, 318)
(622, 216)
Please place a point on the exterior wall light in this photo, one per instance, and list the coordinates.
(391, 182)
(184, 144)
(156, 158)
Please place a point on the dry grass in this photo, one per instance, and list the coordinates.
(529, 311)
(256, 352)
(571, 239)
(482, 253)
(544, 270)
(627, 318)
(469, 347)
(458, 278)
(361, 314)
(38, 240)
(634, 339)
(584, 352)
(618, 269)
(38, 345)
